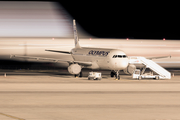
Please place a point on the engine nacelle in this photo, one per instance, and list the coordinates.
(74, 69)
(130, 69)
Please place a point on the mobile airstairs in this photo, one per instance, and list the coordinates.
(163, 74)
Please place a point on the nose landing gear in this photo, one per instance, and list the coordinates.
(116, 74)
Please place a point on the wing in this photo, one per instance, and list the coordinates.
(52, 60)
(83, 63)
(158, 57)
(66, 52)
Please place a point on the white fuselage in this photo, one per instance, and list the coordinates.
(110, 59)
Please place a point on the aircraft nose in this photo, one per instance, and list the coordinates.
(123, 63)
(120, 64)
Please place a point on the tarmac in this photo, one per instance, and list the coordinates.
(39, 96)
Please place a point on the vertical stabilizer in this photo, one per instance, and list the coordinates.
(76, 39)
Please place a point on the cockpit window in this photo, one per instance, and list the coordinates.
(124, 56)
(119, 56)
(115, 56)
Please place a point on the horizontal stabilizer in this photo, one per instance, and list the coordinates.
(66, 52)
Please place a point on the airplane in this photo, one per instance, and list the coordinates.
(93, 58)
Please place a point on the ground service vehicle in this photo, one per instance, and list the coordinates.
(137, 75)
(94, 76)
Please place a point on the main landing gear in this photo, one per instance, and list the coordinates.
(78, 75)
(116, 74)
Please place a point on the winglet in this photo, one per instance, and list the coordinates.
(76, 39)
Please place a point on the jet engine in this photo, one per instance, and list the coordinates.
(74, 69)
(130, 69)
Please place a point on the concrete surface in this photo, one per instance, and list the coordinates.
(63, 97)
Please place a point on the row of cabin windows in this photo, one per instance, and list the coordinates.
(119, 56)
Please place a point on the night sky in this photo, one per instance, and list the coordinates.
(138, 20)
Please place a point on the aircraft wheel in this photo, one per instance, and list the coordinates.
(119, 77)
(112, 74)
(80, 74)
(75, 76)
(139, 78)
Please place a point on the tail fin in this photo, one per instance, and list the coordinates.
(76, 39)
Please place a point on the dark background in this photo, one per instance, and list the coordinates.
(138, 20)
(110, 19)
